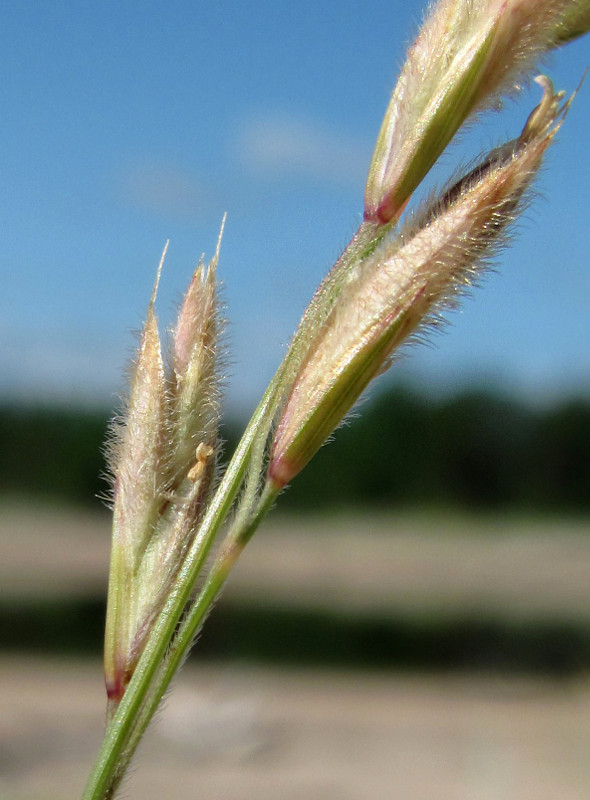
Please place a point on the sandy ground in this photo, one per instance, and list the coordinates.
(238, 733)
(410, 564)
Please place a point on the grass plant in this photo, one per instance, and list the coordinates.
(180, 522)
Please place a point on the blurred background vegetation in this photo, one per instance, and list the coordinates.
(477, 450)
(449, 464)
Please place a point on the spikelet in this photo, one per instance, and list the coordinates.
(137, 458)
(195, 409)
(467, 54)
(193, 440)
(162, 459)
(398, 285)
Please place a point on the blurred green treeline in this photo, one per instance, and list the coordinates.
(476, 450)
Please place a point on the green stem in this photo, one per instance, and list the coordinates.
(116, 752)
(231, 549)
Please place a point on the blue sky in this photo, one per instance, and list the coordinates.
(125, 124)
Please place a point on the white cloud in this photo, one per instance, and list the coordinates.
(280, 144)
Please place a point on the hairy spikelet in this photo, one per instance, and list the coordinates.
(162, 456)
(402, 282)
(137, 462)
(194, 368)
(193, 423)
(468, 54)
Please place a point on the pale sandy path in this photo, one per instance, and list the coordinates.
(244, 734)
(259, 734)
(447, 565)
